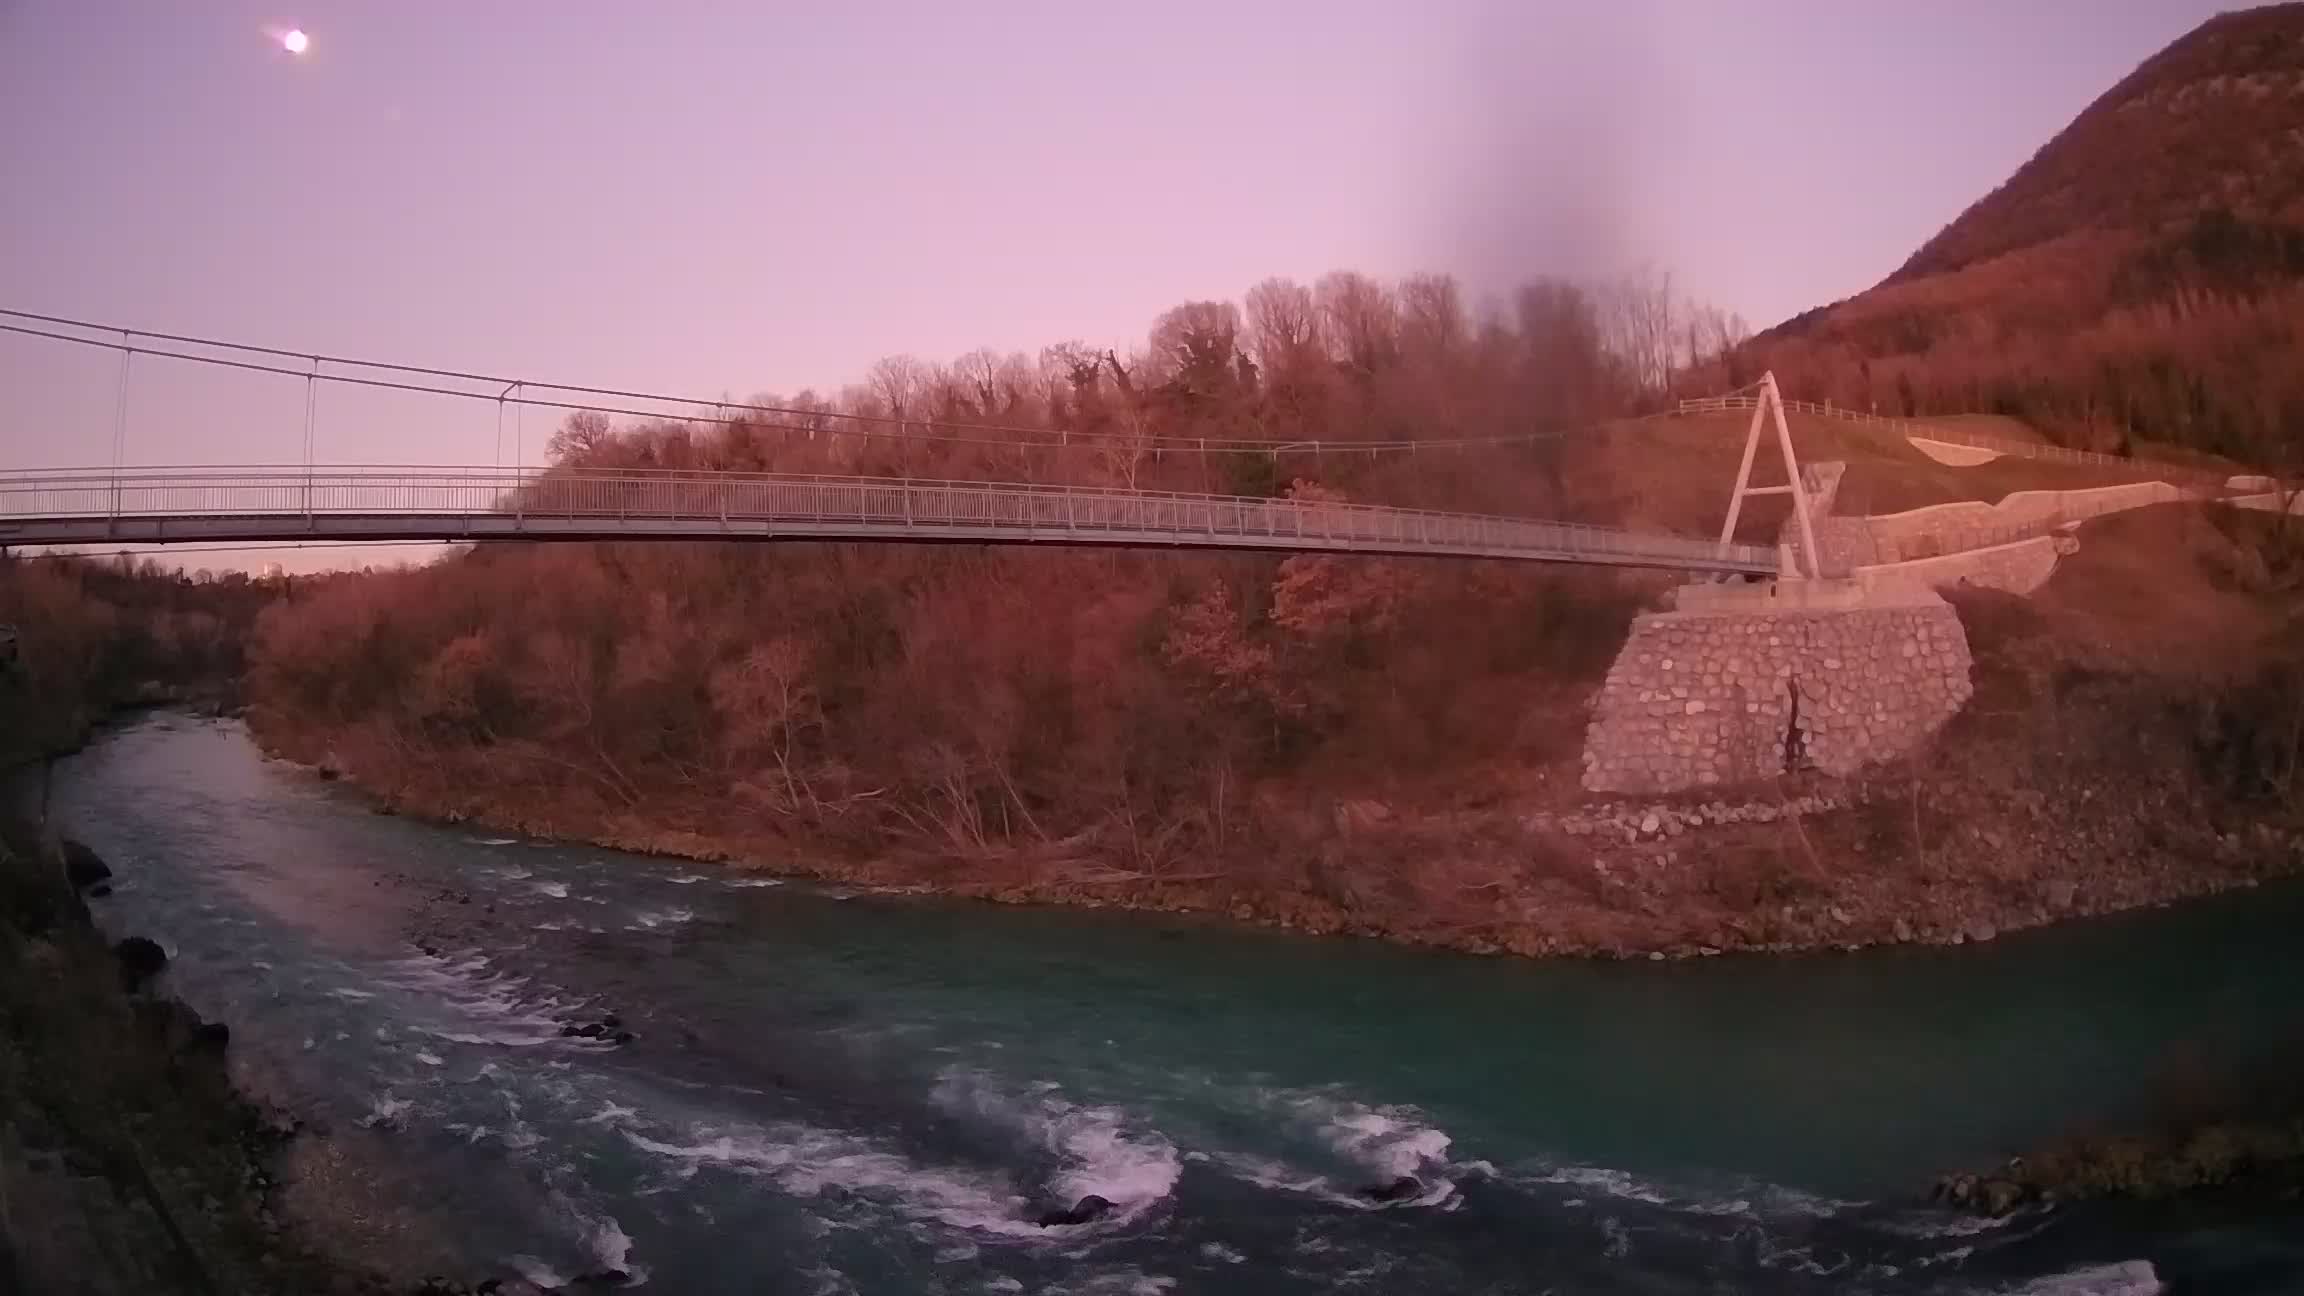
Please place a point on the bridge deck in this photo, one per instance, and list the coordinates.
(455, 504)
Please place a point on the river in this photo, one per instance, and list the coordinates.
(831, 1092)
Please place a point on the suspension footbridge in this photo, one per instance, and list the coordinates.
(145, 506)
(121, 504)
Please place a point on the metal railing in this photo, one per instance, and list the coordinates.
(1957, 436)
(161, 505)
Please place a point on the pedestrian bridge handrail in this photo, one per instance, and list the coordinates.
(97, 506)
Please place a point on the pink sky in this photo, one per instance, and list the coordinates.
(743, 197)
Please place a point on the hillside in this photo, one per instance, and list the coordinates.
(2141, 276)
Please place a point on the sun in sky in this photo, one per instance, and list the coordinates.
(292, 39)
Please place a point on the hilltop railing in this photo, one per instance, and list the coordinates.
(80, 506)
(1957, 436)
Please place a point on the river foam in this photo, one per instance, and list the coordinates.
(1100, 1151)
(2127, 1278)
(1340, 1150)
(804, 1161)
(468, 1001)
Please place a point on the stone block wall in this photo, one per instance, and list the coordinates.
(1703, 698)
(2019, 568)
(1971, 524)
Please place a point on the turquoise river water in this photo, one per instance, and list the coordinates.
(833, 1092)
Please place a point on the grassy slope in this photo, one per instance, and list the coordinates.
(1675, 473)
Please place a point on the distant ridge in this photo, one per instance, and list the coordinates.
(2138, 277)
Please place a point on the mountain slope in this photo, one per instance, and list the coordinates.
(2142, 275)
(2211, 123)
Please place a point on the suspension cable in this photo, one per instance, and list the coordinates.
(955, 430)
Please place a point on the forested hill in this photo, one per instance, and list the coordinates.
(2142, 275)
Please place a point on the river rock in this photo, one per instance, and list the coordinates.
(1955, 1189)
(83, 868)
(1087, 1210)
(1404, 1188)
(140, 959)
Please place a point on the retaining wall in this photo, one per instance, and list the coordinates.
(2018, 568)
(2271, 502)
(1970, 524)
(1721, 695)
(1846, 542)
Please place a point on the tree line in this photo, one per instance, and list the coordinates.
(1144, 711)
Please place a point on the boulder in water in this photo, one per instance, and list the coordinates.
(141, 959)
(1999, 1196)
(1087, 1210)
(1404, 1188)
(83, 868)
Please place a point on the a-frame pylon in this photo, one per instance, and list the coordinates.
(1770, 405)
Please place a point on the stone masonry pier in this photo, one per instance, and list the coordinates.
(1742, 684)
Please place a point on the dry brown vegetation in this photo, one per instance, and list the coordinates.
(1333, 743)
(1126, 706)
(90, 635)
(1347, 744)
(2141, 278)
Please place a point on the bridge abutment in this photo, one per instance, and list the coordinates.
(1742, 683)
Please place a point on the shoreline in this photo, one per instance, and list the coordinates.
(2241, 1194)
(1637, 852)
(146, 1162)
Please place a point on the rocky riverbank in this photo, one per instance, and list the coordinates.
(128, 1161)
(2230, 1136)
(1984, 835)
(2261, 1160)
(2072, 785)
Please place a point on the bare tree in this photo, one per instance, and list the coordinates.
(1640, 317)
(1570, 372)
(975, 379)
(1196, 344)
(1360, 319)
(1433, 323)
(900, 383)
(1283, 328)
(581, 437)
